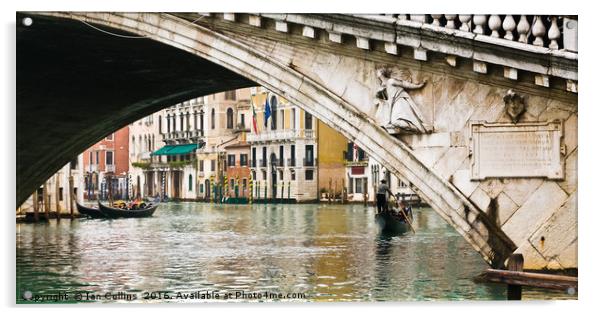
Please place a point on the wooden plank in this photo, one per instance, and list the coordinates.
(549, 281)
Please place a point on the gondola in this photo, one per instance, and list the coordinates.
(113, 212)
(89, 211)
(390, 225)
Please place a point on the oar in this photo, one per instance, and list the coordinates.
(406, 218)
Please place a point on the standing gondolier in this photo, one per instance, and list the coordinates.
(381, 196)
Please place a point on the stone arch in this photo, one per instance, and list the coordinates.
(325, 105)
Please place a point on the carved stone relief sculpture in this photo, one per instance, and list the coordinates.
(515, 105)
(396, 111)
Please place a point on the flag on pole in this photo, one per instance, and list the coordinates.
(266, 112)
(254, 117)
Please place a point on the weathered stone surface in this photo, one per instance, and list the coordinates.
(569, 185)
(429, 156)
(461, 180)
(480, 198)
(533, 259)
(570, 133)
(492, 187)
(450, 161)
(530, 216)
(568, 258)
(506, 207)
(558, 232)
(520, 189)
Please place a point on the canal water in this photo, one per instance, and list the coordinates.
(211, 252)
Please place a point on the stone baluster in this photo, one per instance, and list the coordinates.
(418, 18)
(509, 25)
(523, 29)
(465, 19)
(554, 32)
(539, 30)
(450, 21)
(436, 21)
(479, 22)
(495, 22)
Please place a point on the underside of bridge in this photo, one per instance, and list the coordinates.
(76, 84)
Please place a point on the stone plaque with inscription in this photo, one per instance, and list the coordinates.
(506, 150)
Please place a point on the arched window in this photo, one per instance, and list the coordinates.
(189, 182)
(195, 121)
(212, 118)
(187, 121)
(168, 124)
(274, 105)
(133, 145)
(229, 119)
(160, 125)
(202, 120)
(173, 122)
(181, 122)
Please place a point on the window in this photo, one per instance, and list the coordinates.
(91, 160)
(308, 121)
(97, 157)
(280, 175)
(110, 136)
(282, 121)
(189, 182)
(202, 121)
(212, 118)
(230, 95)
(181, 122)
(244, 185)
(281, 155)
(231, 160)
(201, 165)
(60, 194)
(196, 121)
(274, 106)
(73, 164)
(309, 155)
(109, 157)
(294, 119)
(231, 183)
(309, 174)
(229, 118)
(264, 175)
(160, 125)
(242, 120)
(201, 188)
(293, 176)
(213, 165)
(243, 159)
(254, 175)
(359, 185)
(168, 124)
(173, 122)
(254, 157)
(187, 125)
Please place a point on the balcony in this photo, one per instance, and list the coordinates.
(182, 135)
(291, 162)
(310, 162)
(110, 168)
(281, 135)
(263, 163)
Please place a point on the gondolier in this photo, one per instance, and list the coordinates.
(381, 196)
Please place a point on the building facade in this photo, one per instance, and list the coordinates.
(106, 166)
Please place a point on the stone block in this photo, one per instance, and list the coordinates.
(571, 86)
(451, 60)
(533, 259)
(230, 17)
(569, 185)
(480, 199)
(558, 232)
(510, 73)
(570, 133)
(479, 66)
(542, 80)
(534, 212)
(506, 207)
(461, 180)
(519, 189)
(255, 20)
(309, 31)
(428, 156)
(420, 54)
(568, 257)
(450, 161)
(391, 48)
(335, 37)
(362, 42)
(282, 26)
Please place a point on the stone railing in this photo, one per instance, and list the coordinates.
(551, 31)
(280, 135)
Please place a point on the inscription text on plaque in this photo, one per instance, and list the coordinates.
(504, 150)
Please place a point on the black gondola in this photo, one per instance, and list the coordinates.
(389, 224)
(89, 211)
(114, 212)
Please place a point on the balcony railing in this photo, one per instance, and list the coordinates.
(182, 135)
(291, 162)
(310, 162)
(110, 168)
(263, 163)
(288, 134)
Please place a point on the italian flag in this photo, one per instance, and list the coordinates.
(254, 117)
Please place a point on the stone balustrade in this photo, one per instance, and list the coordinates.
(551, 31)
(280, 135)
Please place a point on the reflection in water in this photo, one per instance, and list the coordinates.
(327, 252)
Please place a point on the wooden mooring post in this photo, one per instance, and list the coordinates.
(36, 206)
(515, 278)
(71, 194)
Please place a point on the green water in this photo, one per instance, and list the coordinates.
(215, 252)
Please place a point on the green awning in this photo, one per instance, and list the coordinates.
(170, 150)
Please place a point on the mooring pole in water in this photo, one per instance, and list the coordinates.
(46, 201)
(71, 195)
(515, 263)
(57, 191)
(36, 206)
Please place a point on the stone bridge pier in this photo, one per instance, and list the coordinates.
(496, 154)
